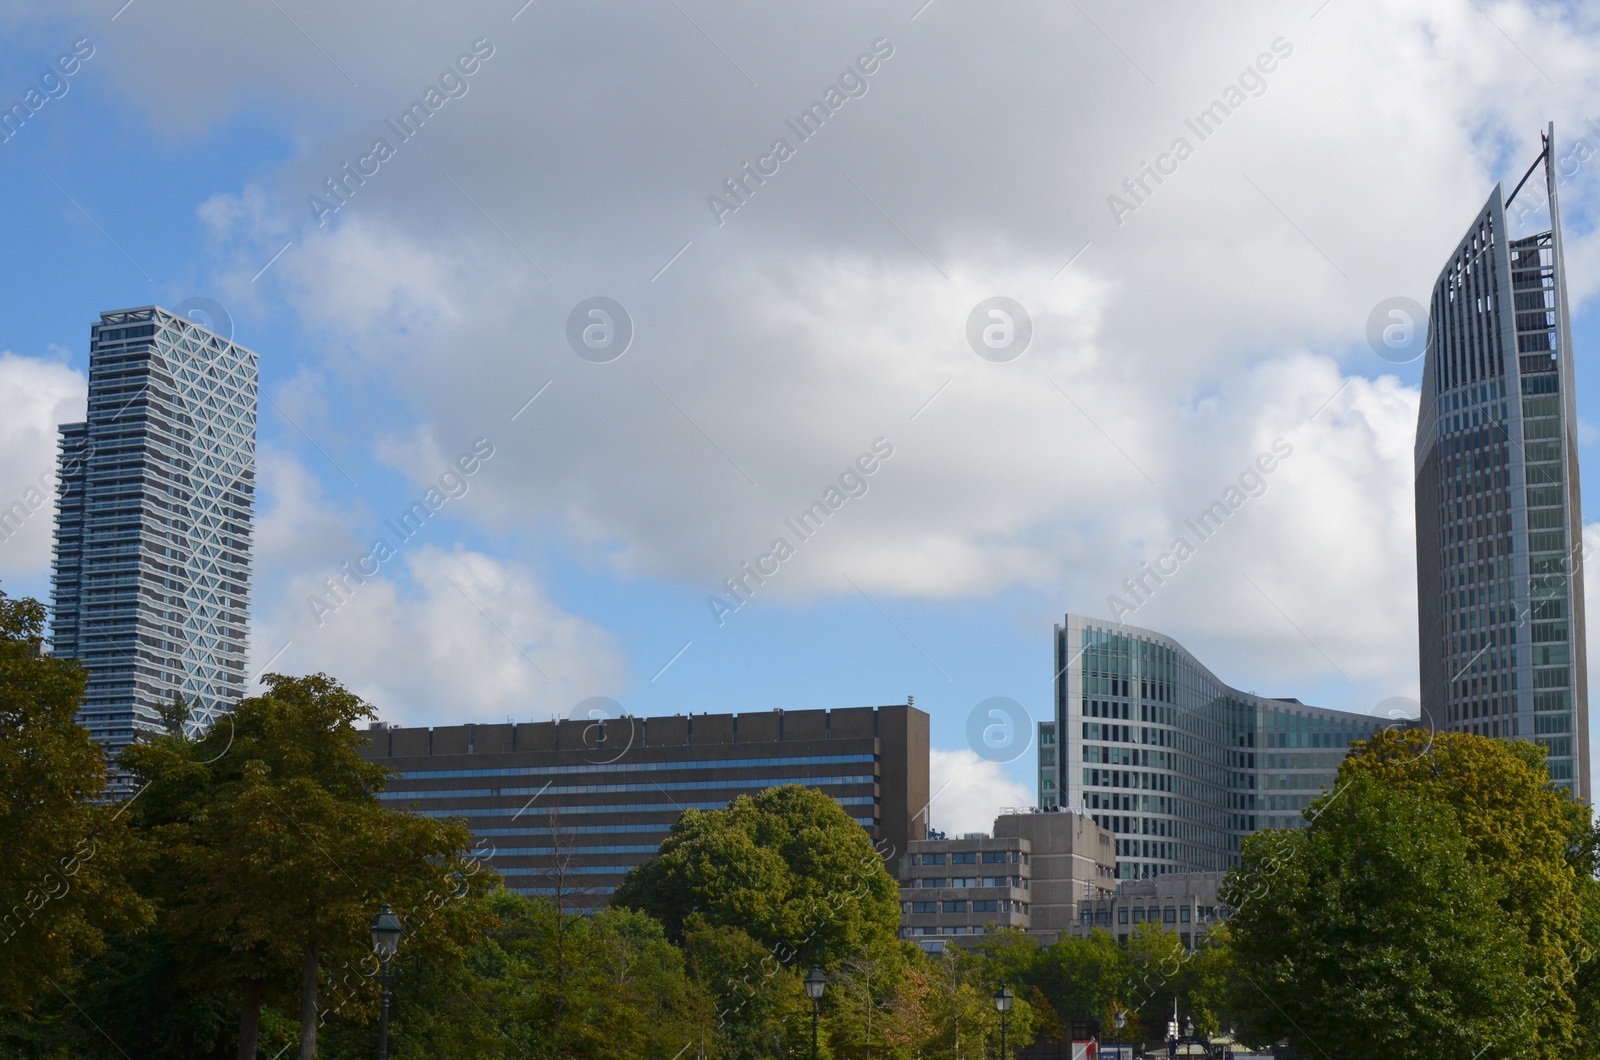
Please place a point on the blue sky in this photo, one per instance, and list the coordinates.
(1168, 351)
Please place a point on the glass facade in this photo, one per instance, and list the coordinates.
(1179, 766)
(151, 582)
(1499, 530)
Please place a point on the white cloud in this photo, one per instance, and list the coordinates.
(37, 395)
(436, 636)
(969, 792)
(1182, 342)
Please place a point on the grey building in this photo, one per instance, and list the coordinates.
(1182, 902)
(151, 581)
(1499, 530)
(566, 808)
(1032, 873)
(1155, 748)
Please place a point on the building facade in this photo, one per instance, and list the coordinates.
(151, 580)
(567, 808)
(1182, 902)
(1179, 766)
(1032, 873)
(1499, 531)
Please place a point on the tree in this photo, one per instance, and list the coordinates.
(274, 850)
(61, 881)
(788, 866)
(1539, 840)
(756, 1001)
(1375, 932)
(1083, 977)
(623, 989)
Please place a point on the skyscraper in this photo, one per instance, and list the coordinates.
(1499, 532)
(1179, 766)
(152, 551)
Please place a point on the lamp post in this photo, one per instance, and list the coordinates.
(815, 981)
(1002, 1005)
(386, 930)
(1119, 1021)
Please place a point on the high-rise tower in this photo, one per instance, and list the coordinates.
(1499, 532)
(152, 552)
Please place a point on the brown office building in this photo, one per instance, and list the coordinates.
(568, 807)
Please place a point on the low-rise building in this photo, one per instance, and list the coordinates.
(1031, 873)
(1182, 902)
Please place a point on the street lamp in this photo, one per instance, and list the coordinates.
(1002, 1005)
(1119, 1021)
(386, 930)
(815, 981)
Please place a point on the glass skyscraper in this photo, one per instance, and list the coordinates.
(1178, 765)
(1499, 532)
(152, 550)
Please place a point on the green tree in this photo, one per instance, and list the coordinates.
(787, 866)
(1538, 839)
(274, 850)
(622, 990)
(1083, 977)
(61, 880)
(758, 1004)
(1374, 932)
(957, 1004)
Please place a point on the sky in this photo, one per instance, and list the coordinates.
(664, 275)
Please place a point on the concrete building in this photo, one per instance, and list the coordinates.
(1179, 765)
(569, 807)
(1184, 902)
(1499, 528)
(151, 582)
(1030, 874)
(1074, 860)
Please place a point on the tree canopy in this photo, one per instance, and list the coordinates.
(787, 866)
(61, 880)
(1436, 903)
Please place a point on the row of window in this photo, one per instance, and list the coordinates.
(971, 881)
(596, 789)
(990, 905)
(959, 929)
(629, 767)
(1155, 915)
(617, 807)
(971, 857)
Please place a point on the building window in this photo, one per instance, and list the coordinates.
(933, 859)
(924, 907)
(955, 907)
(1169, 916)
(964, 881)
(1102, 916)
(994, 857)
(964, 857)
(1138, 916)
(986, 906)
(1183, 914)
(932, 881)
(1122, 916)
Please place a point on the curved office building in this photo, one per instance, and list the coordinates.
(1499, 532)
(1177, 764)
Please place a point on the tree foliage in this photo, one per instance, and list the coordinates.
(61, 879)
(787, 866)
(1436, 903)
(274, 851)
